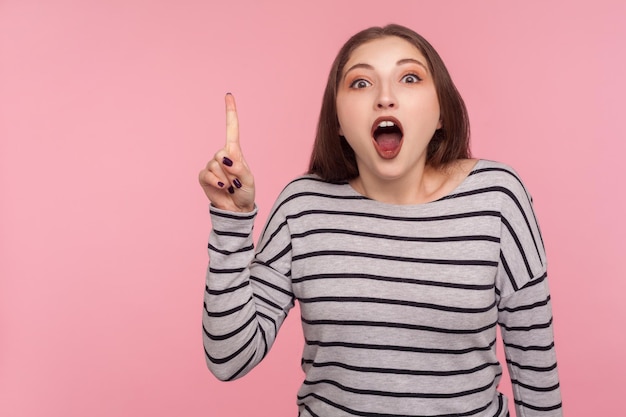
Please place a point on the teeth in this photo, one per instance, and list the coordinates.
(386, 123)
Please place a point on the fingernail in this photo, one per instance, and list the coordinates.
(229, 94)
(220, 184)
(237, 183)
(227, 161)
(231, 190)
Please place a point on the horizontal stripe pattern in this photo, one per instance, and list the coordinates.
(399, 304)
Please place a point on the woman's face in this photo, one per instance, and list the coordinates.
(387, 108)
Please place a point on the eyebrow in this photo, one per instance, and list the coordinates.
(400, 62)
(412, 61)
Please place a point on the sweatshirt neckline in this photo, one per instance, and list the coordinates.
(449, 195)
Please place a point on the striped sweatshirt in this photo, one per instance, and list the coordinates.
(399, 303)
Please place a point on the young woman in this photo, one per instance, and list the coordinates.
(403, 253)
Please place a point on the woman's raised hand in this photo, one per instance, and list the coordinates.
(226, 180)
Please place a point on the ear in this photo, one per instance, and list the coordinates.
(439, 124)
(340, 131)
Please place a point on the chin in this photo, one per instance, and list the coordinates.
(391, 174)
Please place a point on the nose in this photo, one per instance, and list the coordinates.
(386, 99)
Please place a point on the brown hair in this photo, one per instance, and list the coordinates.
(333, 159)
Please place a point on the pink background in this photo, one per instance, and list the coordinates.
(108, 110)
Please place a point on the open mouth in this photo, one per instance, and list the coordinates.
(387, 134)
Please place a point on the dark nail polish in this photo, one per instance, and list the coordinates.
(231, 190)
(220, 184)
(237, 183)
(229, 94)
(227, 161)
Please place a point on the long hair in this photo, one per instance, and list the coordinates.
(333, 159)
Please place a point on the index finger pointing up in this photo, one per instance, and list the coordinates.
(232, 123)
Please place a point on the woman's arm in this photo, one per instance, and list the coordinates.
(524, 310)
(247, 297)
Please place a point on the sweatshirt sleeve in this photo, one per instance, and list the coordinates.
(524, 309)
(247, 295)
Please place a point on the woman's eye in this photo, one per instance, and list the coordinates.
(360, 83)
(411, 78)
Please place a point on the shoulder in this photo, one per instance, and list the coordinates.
(310, 191)
(514, 201)
(501, 176)
(305, 182)
(494, 186)
(312, 184)
(495, 170)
